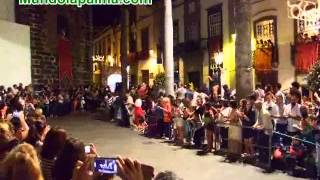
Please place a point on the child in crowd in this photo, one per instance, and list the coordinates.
(139, 117)
(178, 124)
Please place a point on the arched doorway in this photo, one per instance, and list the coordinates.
(112, 80)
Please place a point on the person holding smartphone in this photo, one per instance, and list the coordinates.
(125, 168)
(292, 111)
(248, 117)
(280, 120)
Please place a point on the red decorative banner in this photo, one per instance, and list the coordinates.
(65, 59)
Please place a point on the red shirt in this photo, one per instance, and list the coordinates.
(167, 115)
(138, 114)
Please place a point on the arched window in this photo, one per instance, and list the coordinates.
(266, 52)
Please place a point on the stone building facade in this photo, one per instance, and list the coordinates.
(45, 23)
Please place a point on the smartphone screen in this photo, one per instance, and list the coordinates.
(105, 165)
(87, 149)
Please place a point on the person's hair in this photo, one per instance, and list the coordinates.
(243, 102)
(38, 113)
(278, 85)
(16, 123)
(22, 163)
(295, 92)
(72, 151)
(6, 130)
(258, 86)
(268, 88)
(15, 104)
(53, 143)
(2, 105)
(304, 112)
(225, 87)
(269, 93)
(295, 85)
(167, 175)
(252, 97)
(36, 129)
(233, 104)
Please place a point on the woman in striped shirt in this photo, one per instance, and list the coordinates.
(53, 144)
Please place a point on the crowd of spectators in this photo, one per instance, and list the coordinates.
(270, 127)
(31, 149)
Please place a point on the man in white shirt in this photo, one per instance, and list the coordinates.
(277, 90)
(269, 104)
(280, 121)
(292, 111)
(264, 127)
(263, 119)
(181, 92)
(259, 91)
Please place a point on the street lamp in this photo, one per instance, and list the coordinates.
(218, 59)
(128, 76)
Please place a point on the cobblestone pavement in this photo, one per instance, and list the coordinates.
(112, 140)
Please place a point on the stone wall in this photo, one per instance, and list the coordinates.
(44, 37)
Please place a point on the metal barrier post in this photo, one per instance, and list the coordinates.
(318, 156)
(270, 150)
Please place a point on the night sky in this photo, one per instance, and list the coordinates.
(105, 15)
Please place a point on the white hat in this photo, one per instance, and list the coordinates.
(138, 103)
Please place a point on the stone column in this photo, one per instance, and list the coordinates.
(168, 47)
(244, 70)
(124, 49)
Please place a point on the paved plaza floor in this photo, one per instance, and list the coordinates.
(112, 140)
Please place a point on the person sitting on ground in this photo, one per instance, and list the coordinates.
(295, 157)
(139, 115)
(22, 163)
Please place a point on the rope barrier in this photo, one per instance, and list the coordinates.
(305, 141)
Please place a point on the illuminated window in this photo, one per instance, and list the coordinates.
(215, 24)
(308, 27)
(265, 30)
